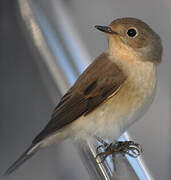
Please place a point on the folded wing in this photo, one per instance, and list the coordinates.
(100, 80)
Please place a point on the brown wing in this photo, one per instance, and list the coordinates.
(101, 79)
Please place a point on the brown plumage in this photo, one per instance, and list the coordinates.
(101, 79)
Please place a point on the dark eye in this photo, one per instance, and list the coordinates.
(132, 32)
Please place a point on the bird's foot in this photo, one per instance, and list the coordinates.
(124, 147)
(103, 145)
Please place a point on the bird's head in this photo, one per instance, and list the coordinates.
(133, 36)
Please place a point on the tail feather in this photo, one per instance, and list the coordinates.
(26, 155)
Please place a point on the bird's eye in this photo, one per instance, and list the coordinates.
(132, 32)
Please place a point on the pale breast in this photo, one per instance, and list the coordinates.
(132, 100)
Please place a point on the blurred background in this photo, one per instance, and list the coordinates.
(28, 90)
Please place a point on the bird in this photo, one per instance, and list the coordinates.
(111, 94)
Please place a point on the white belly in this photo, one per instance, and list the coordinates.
(108, 121)
(115, 115)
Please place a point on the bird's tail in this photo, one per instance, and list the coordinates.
(26, 155)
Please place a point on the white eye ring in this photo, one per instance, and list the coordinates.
(132, 32)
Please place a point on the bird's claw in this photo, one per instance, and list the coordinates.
(124, 147)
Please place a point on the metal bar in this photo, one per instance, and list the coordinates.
(47, 42)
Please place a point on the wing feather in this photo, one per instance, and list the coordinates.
(100, 80)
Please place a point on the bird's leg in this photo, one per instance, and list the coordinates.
(124, 147)
(103, 145)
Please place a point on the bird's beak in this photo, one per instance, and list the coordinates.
(105, 29)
